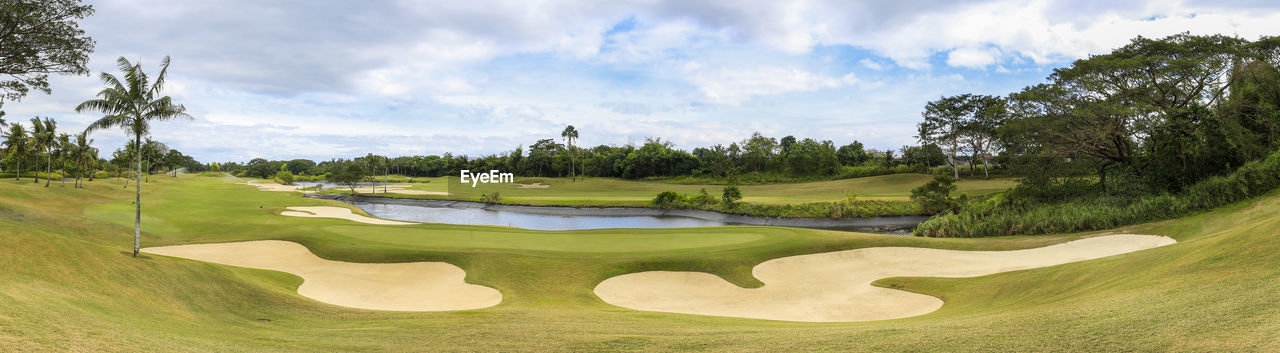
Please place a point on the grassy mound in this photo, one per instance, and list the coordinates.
(66, 286)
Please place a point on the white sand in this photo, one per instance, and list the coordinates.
(534, 186)
(397, 189)
(413, 286)
(836, 286)
(335, 212)
(278, 187)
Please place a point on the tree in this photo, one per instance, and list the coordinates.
(730, 194)
(943, 123)
(349, 175)
(757, 151)
(133, 104)
(62, 152)
(935, 195)
(16, 147)
(43, 137)
(173, 160)
(84, 155)
(979, 131)
(851, 154)
(38, 38)
(569, 134)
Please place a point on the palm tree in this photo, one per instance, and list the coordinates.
(89, 154)
(133, 104)
(44, 137)
(79, 153)
(569, 134)
(63, 153)
(16, 146)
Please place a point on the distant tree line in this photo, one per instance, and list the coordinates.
(787, 156)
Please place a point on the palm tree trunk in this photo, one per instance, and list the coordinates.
(137, 203)
(48, 168)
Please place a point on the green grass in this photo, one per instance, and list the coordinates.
(618, 192)
(66, 286)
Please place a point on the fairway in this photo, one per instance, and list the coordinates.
(547, 278)
(602, 191)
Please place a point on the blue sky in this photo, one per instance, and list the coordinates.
(325, 79)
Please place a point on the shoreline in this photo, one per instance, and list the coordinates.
(883, 223)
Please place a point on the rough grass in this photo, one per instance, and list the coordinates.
(67, 287)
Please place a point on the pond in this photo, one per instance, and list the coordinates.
(573, 218)
(481, 216)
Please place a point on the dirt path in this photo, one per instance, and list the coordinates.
(836, 286)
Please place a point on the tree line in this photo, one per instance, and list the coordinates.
(1151, 130)
(1155, 115)
(655, 158)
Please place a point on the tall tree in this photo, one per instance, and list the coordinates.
(570, 134)
(43, 137)
(16, 145)
(943, 124)
(82, 152)
(133, 104)
(62, 149)
(38, 38)
(987, 114)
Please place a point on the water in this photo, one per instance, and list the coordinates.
(479, 216)
(328, 185)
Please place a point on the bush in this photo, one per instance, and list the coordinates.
(490, 198)
(935, 196)
(1093, 213)
(668, 199)
(284, 177)
(730, 195)
(850, 207)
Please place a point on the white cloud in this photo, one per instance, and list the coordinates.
(481, 76)
(737, 85)
(971, 58)
(871, 64)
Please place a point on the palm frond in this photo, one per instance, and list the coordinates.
(164, 71)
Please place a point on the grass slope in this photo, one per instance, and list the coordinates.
(66, 286)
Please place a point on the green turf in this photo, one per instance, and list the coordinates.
(604, 191)
(67, 286)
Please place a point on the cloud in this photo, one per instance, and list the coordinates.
(330, 78)
(871, 64)
(737, 85)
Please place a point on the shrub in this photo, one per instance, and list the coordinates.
(935, 196)
(1093, 213)
(490, 198)
(730, 195)
(284, 177)
(668, 199)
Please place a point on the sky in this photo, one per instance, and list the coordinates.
(340, 79)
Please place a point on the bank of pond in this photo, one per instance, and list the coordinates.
(576, 218)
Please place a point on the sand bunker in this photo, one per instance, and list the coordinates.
(534, 186)
(836, 286)
(397, 189)
(278, 187)
(335, 212)
(413, 286)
